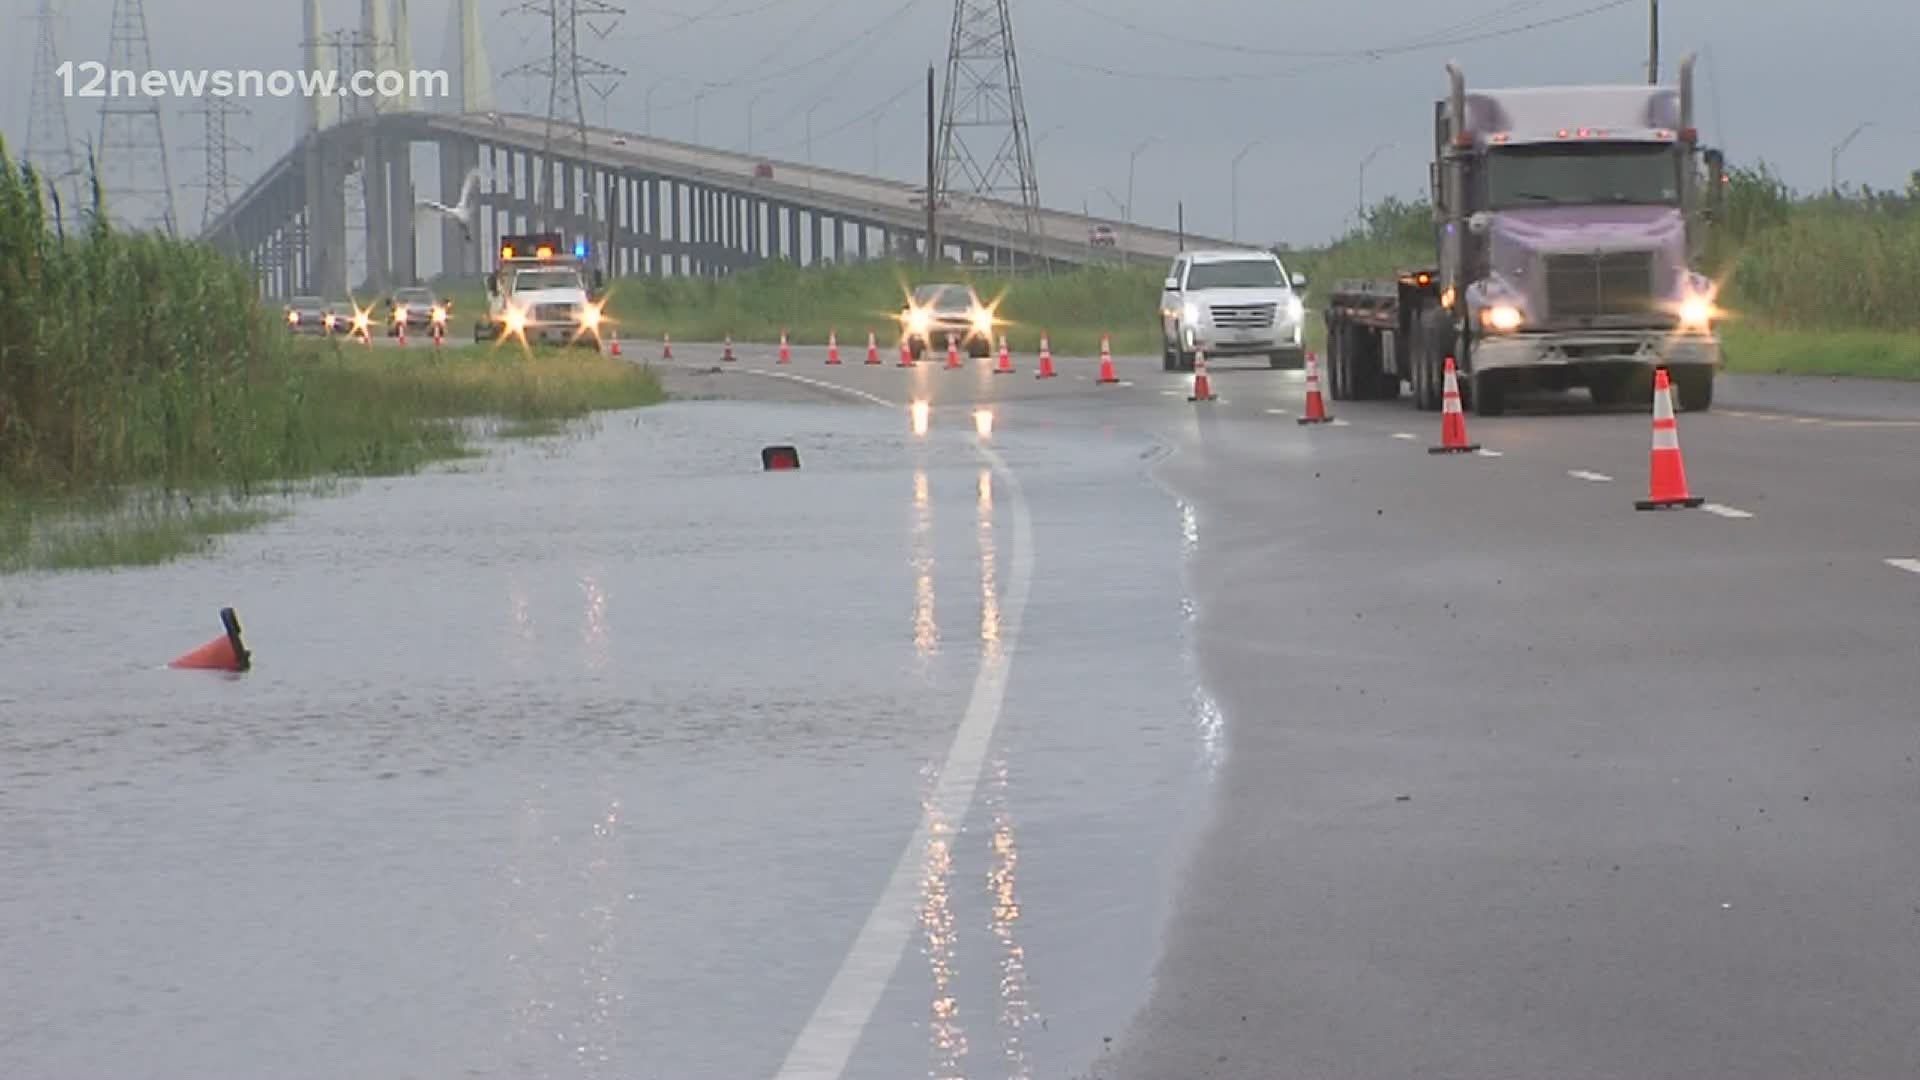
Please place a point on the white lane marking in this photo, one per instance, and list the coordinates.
(1173, 393)
(1125, 382)
(1911, 566)
(1277, 412)
(825, 385)
(1407, 435)
(1596, 477)
(1484, 452)
(1724, 511)
(833, 1032)
(1339, 423)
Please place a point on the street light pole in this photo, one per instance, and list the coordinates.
(1833, 161)
(1131, 158)
(810, 112)
(1236, 187)
(1360, 206)
(751, 102)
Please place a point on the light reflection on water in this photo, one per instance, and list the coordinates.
(1016, 1011)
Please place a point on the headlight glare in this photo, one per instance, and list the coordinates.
(1501, 318)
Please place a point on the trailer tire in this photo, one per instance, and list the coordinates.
(1338, 357)
(1693, 389)
(1423, 359)
(1489, 393)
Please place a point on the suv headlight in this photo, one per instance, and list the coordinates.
(1296, 311)
(1191, 313)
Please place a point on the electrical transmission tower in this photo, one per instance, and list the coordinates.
(216, 143)
(133, 142)
(986, 149)
(49, 139)
(565, 70)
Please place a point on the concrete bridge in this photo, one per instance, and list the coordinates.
(645, 205)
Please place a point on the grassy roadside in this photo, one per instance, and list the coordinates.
(1755, 348)
(318, 413)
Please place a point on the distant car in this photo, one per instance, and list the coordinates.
(418, 308)
(306, 315)
(934, 312)
(764, 170)
(339, 318)
(1102, 236)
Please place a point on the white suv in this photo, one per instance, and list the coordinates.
(1232, 303)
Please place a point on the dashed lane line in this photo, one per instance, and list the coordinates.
(1407, 435)
(1911, 566)
(1585, 474)
(1725, 511)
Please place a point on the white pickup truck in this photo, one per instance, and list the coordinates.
(1232, 303)
(539, 294)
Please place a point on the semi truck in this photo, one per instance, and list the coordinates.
(1569, 222)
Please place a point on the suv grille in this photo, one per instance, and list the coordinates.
(1591, 286)
(1243, 316)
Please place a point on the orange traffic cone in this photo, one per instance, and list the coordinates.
(728, 354)
(1005, 367)
(953, 353)
(906, 353)
(833, 347)
(224, 653)
(401, 334)
(1106, 361)
(613, 344)
(666, 346)
(1202, 386)
(1453, 422)
(873, 349)
(1316, 405)
(1668, 482)
(1046, 360)
(786, 354)
(440, 334)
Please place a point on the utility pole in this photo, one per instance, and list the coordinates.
(49, 139)
(985, 146)
(133, 143)
(1182, 218)
(1653, 42)
(933, 181)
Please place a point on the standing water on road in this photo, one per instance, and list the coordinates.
(593, 757)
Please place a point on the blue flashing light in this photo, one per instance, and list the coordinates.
(580, 249)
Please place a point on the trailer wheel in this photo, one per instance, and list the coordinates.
(1338, 358)
(1489, 394)
(1693, 388)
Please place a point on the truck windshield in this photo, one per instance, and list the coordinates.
(1235, 274)
(1560, 175)
(530, 280)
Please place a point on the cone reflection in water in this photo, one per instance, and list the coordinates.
(1667, 479)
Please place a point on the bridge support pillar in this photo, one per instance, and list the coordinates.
(403, 241)
(326, 184)
(459, 255)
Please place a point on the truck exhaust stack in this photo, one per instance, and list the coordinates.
(1459, 80)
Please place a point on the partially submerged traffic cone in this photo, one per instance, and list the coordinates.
(728, 354)
(224, 653)
(1106, 361)
(1667, 487)
(1005, 367)
(1202, 386)
(1046, 360)
(873, 349)
(1316, 405)
(906, 353)
(786, 354)
(833, 347)
(1453, 422)
(953, 353)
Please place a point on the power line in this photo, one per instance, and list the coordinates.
(1326, 59)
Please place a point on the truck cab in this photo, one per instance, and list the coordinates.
(539, 293)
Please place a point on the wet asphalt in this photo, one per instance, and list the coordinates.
(1309, 754)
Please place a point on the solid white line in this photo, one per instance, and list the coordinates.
(1724, 511)
(832, 1033)
(1911, 566)
(1596, 477)
(1407, 435)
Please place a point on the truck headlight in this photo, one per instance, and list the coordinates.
(293, 318)
(1501, 318)
(1696, 313)
(590, 318)
(516, 320)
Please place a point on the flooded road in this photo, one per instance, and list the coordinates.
(596, 757)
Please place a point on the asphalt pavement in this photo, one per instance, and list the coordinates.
(1519, 781)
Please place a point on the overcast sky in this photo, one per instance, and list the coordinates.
(1783, 80)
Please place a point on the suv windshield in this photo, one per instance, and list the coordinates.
(530, 280)
(943, 297)
(1557, 175)
(1236, 274)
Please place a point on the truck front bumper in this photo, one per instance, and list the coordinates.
(1595, 349)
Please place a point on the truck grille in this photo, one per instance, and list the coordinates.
(1595, 285)
(1243, 316)
(553, 313)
